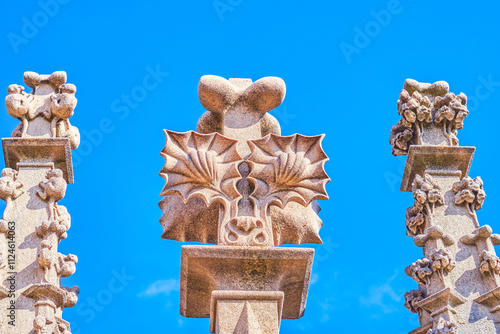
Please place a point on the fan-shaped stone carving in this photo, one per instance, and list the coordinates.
(288, 169)
(199, 165)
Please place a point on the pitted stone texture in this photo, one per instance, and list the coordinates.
(45, 112)
(33, 223)
(430, 115)
(458, 275)
(246, 189)
(238, 183)
(205, 269)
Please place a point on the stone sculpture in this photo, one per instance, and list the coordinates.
(458, 278)
(38, 160)
(238, 183)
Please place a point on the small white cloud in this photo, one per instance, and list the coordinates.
(161, 287)
(382, 296)
(314, 278)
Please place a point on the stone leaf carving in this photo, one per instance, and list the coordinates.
(190, 221)
(449, 112)
(18, 106)
(46, 258)
(296, 224)
(415, 110)
(489, 263)
(470, 192)
(10, 187)
(414, 107)
(427, 195)
(288, 169)
(427, 108)
(249, 212)
(194, 221)
(420, 271)
(53, 191)
(52, 101)
(411, 299)
(442, 262)
(200, 166)
(60, 226)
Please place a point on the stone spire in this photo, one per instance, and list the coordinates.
(240, 185)
(458, 277)
(38, 161)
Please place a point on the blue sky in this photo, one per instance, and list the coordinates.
(344, 63)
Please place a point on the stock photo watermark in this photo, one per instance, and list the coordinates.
(122, 107)
(87, 309)
(283, 116)
(31, 25)
(225, 6)
(363, 36)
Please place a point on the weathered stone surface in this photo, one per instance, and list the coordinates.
(239, 184)
(33, 223)
(205, 269)
(458, 276)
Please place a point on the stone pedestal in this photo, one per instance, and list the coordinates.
(256, 312)
(238, 183)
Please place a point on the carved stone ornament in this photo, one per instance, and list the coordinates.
(490, 264)
(39, 159)
(469, 192)
(420, 271)
(427, 195)
(442, 262)
(411, 299)
(460, 271)
(238, 183)
(430, 115)
(245, 187)
(44, 112)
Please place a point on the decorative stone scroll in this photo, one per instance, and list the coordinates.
(238, 183)
(38, 160)
(458, 276)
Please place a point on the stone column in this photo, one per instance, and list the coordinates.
(458, 275)
(238, 183)
(38, 169)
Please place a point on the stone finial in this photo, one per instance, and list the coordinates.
(238, 160)
(459, 275)
(430, 115)
(39, 168)
(238, 183)
(44, 112)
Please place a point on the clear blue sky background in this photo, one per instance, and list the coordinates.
(339, 82)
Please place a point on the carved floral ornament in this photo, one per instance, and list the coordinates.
(52, 100)
(279, 170)
(424, 106)
(412, 298)
(427, 195)
(469, 192)
(440, 262)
